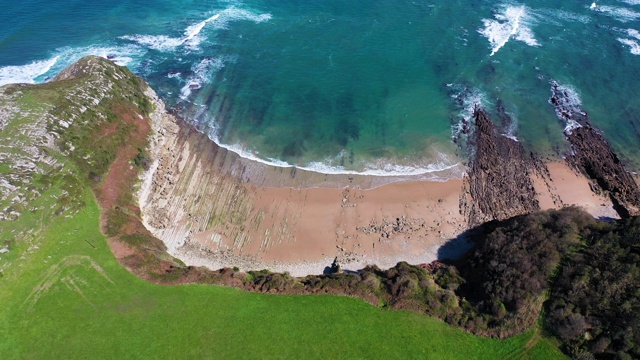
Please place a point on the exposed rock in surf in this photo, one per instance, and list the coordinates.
(592, 155)
(498, 185)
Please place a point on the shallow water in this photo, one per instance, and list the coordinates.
(340, 86)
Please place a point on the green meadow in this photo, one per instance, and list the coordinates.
(67, 299)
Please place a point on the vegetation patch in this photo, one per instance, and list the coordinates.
(594, 305)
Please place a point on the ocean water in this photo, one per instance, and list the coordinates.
(377, 87)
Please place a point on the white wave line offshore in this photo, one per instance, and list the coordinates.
(193, 30)
(508, 24)
(167, 43)
(514, 30)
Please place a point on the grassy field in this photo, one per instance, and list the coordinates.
(63, 295)
(68, 299)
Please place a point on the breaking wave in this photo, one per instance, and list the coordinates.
(39, 71)
(511, 23)
(191, 36)
(567, 104)
(634, 46)
(380, 168)
(466, 100)
(26, 73)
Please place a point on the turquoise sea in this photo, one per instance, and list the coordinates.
(379, 87)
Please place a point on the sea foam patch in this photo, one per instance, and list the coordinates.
(127, 55)
(466, 100)
(155, 42)
(165, 43)
(26, 73)
(191, 36)
(634, 46)
(513, 22)
(202, 72)
(233, 13)
(631, 2)
(621, 14)
(38, 71)
(567, 105)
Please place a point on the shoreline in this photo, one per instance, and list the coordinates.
(261, 172)
(214, 208)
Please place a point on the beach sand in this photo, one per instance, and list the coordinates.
(213, 208)
(571, 188)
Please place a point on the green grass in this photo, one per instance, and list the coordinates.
(70, 300)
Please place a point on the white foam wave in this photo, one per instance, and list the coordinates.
(634, 33)
(467, 100)
(233, 13)
(619, 13)
(26, 73)
(202, 72)
(512, 22)
(634, 47)
(380, 168)
(512, 129)
(38, 71)
(567, 105)
(193, 30)
(166, 43)
(191, 36)
(570, 126)
(155, 42)
(128, 55)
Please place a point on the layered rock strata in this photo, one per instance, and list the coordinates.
(499, 182)
(214, 208)
(592, 155)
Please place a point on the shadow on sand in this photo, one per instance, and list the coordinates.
(455, 248)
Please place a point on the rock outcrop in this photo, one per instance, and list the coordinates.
(498, 184)
(592, 155)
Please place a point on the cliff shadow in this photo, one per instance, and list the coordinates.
(457, 247)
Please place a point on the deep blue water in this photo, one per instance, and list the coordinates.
(377, 86)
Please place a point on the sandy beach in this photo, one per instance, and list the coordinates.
(213, 208)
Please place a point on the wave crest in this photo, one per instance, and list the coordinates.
(191, 35)
(512, 22)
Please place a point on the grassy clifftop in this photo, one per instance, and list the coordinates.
(70, 150)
